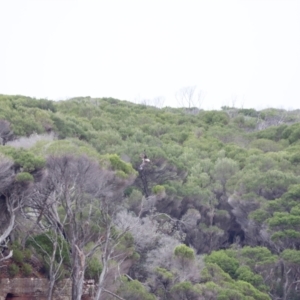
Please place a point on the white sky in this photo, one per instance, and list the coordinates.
(243, 50)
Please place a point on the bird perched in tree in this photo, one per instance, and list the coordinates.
(145, 160)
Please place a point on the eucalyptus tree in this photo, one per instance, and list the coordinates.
(16, 189)
(80, 200)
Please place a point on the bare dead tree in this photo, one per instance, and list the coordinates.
(185, 96)
(80, 200)
(158, 101)
(200, 98)
(109, 253)
(53, 258)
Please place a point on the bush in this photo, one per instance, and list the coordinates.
(94, 269)
(24, 158)
(215, 117)
(27, 254)
(118, 165)
(26, 269)
(226, 263)
(24, 177)
(18, 256)
(134, 290)
(158, 189)
(13, 270)
(43, 244)
(185, 252)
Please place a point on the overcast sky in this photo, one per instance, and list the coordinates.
(242, 53)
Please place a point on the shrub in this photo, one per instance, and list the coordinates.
(94, 269)
(158, 189)
(134, 290)
(24, 177)
(119, 165)
(27, 254)
(185, 252)
(18, 256)
(13, 270)
(26, 269)
(43, 244)
(227, 264)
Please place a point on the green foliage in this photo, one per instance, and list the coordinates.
(291, 256)
(226, 288)
(158, 189)
(274, 133)
(119, 165)
(244, 273)
(225, 168)
(184, 290)
(215, 117)
(26, 269)
(24, 159)
(24, 177)
(18, 256)
(72, 147)
(266, 145)
(213, 272)
(199, 160)
(44, 245)
(184, 252)
(94, 268)
(225, 294)
(133, 201)
(68, 126)
(13, 270)
(248, 112)
(259, 215)
(254, 256)
(270, 185)
(227, 263)
(292, 133)
(133, 290)
(27, 254)
(295, 158)
(249, 291)
(164, 274)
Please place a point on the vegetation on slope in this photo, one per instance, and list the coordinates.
(214, 215)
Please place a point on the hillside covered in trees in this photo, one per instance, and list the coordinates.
(215, 214)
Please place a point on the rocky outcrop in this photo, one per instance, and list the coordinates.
(37, 288)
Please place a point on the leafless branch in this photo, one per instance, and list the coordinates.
(113, 294)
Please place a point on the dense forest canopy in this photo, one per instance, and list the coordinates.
(215, 214)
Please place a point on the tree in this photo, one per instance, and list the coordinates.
(158, 101)
(185, 96)
(79, 202)
(185, 256)
(185, 290)
(15, 192)
(55, 252)
(291, 272)
(227, 263)
(133, 290)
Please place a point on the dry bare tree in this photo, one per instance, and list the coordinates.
(185, 96)
(54, 256)
(79, 200)
(158, 101)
